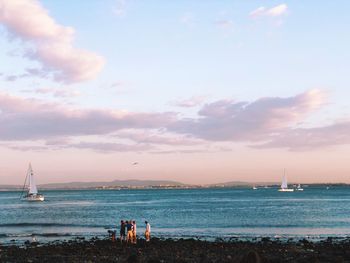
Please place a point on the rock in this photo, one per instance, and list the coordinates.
(132, 259)
(265, 239)
(251, 257)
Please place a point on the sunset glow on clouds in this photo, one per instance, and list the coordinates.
(267, 119)
(196, 100)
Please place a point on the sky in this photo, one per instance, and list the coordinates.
(193, 91)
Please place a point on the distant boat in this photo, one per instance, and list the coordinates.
(32, 194)
(284, 185)
(299, 188)
(255, 188)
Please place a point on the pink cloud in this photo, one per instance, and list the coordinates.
(59, 93)
(52, 42)
(24, 119)
(310, 138)
(29, 72)
(154, 137)
(61, 144)
(269, 122)
(226, 120)
(25, 148)
(110, 147)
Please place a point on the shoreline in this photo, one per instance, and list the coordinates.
(181, 250)
(50, 238)
(178, 187)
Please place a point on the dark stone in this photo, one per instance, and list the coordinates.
(251, 257)
(132, 259)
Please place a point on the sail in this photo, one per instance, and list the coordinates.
(32, 185)
(284, 184)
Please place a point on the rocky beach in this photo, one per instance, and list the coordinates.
(182, 250)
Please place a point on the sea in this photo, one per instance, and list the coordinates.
(209, 214)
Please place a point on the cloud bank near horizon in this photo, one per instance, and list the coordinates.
(51, 44)
(227, 120)
(30, 119)
(270, 122)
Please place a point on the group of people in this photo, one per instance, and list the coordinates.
(128, 231)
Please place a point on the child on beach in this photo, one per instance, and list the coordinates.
(148, 231)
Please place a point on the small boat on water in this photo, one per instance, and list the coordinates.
(284, 185)
(32, 194)
(299, 188)
(255, 188)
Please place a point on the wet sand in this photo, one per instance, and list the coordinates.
(188, 250)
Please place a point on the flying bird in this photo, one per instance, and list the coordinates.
(135, 163)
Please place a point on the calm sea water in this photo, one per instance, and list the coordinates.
(205, 213)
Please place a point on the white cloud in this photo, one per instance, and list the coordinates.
(226, 23)
(187, 19)
(191, 102)
(59, 93)
(120, 8)
(275, 11)
(52, 43)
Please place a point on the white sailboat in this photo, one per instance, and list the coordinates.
(299, 188)
(284, 185)
(32, 194)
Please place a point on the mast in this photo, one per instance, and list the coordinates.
(32, 186)
(284, 184)
(24, 185)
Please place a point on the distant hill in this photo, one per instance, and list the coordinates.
(242, 184)
(115, 183)
(11, 187)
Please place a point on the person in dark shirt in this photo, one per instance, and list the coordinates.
(122, 231)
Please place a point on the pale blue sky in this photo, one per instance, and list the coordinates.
(157, 57)
(159, 53)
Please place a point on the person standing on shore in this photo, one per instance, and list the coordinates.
(122, 231)
(148, 231)
(129, 231)
(134, 239)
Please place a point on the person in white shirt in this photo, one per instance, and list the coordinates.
(134, 239)
(148, 231)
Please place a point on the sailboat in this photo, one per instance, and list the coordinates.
(32, 194)
(299, 188)
(284, 185)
